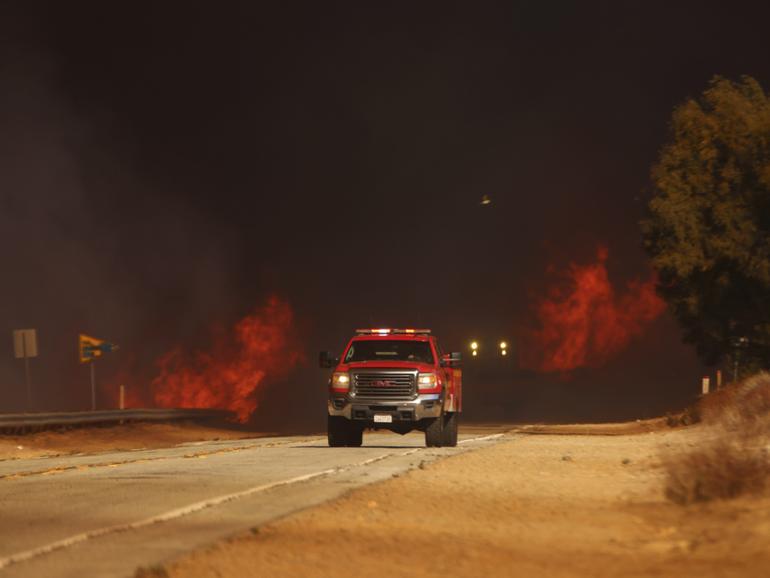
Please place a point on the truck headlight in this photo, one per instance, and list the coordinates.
(426, 381)
(341, 380)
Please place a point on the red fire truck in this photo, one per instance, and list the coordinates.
(395, 379)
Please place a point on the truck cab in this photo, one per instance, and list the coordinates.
(394, 379)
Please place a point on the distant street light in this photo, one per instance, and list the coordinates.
(503, 348)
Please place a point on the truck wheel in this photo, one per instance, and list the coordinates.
(337, 431)
(450, 429)
(355, 435)
(434, 433)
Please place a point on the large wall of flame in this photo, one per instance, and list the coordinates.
(239, 363)
(583, 321)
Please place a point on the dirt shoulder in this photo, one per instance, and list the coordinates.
(609, 429)
(533, 505)
(113, 438)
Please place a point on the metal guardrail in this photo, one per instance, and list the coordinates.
(23, 422)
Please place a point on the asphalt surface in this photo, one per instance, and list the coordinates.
(107, 514)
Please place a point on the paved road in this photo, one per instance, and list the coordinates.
(105, 515)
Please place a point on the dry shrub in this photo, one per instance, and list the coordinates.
(742, 407)
(712, 406)
(688, 416)
(721, 469)
(732, 458)
(154, 571)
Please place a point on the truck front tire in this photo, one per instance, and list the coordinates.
(450, 430)
(341, 432)
(355, 435)
(442, 431)
(434, 433)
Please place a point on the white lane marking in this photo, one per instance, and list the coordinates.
(196, 507)
(481, 439)
(184, 511)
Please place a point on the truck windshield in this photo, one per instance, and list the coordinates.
(390, 350)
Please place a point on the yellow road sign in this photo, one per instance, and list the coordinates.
(90, 348)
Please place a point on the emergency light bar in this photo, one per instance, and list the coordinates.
(393, 331)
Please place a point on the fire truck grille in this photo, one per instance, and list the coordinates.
(384, 385)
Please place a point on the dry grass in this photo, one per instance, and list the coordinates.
(740, 406)
(154, 571)
(721, 469)
(732, 458)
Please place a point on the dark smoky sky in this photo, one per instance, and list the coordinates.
(166, 165)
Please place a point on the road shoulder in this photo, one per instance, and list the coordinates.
(120, 437)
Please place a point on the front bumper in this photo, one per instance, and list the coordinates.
(423, 406)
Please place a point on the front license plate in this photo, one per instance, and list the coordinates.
(383, 419)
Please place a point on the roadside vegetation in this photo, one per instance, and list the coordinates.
(708, 225)
(154, 571)
(707, 232)
(732, 457)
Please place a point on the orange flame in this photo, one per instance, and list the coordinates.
(587, 324)
(230, 375)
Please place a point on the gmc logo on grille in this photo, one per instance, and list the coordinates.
(383, 383)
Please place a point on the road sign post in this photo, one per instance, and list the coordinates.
(93, 386)
(90, 349)
(25, 347)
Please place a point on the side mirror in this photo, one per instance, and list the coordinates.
(326, 361)
(453, 359)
